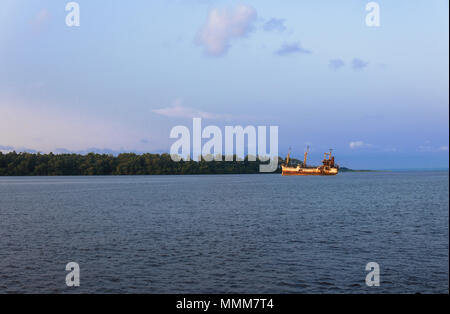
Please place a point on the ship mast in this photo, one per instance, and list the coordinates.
(305, 157)
(288, 156)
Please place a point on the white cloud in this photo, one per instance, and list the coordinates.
(428, 148)
(177, 110)
(275, 24)
(358, 144)
(287, 49)
(358, 64)
(336, 64)
(181, 112)
(6, 149)
(222, 26)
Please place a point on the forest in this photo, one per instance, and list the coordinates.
(30, 164)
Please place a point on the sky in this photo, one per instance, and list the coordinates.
(133, 70)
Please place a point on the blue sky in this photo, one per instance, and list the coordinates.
(135, 69)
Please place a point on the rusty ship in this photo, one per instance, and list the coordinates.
(328, 167)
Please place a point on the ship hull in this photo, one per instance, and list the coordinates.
(298, 171)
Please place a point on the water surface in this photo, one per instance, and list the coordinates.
(226, 233)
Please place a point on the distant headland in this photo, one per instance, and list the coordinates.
(36, 164)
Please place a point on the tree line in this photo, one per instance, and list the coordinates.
(28, 164)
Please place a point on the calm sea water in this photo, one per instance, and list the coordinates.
(223, 234)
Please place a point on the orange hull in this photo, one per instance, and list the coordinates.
(290, 171)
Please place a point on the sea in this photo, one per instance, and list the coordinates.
(260, 233)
